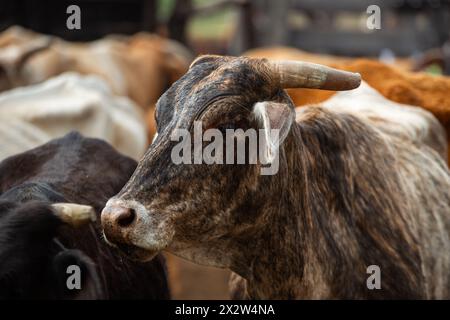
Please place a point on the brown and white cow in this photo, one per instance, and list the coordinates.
(141, 66)
(33, 115)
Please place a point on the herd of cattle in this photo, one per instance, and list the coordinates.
(363, 177)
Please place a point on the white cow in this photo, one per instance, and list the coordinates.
(32, 115)
(409, 122)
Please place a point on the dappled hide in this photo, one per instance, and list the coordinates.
(355, 186)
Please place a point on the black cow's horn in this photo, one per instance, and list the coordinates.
(298, 74)
(74, 214)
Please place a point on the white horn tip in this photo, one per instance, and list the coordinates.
(74, 214)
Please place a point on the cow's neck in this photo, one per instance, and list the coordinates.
(272, 255)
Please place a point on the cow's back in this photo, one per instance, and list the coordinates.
(414, 124)
(414, 146)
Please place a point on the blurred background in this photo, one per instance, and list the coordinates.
(414, 36)
(409, 27)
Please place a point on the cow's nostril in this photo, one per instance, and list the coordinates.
(126, 217)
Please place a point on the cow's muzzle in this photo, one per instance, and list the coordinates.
(128, 226)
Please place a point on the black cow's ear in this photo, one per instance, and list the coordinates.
(76, 276)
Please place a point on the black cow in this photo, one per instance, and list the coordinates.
(37, 245)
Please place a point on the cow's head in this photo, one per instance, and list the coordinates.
(194, 210)
(34, 264)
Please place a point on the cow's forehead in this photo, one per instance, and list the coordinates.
(237, 75)
(218, 78)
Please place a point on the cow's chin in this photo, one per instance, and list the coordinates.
(137, 253)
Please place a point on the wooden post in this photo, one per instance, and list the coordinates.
(178, 21)
(149, 21)
(277, 29)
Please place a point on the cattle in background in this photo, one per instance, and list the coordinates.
(356, 186)
(392, 81)
(141, 67)
(33, 115)
(38, 239)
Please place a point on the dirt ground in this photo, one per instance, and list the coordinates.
(191, 281)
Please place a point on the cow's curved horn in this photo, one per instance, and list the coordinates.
(299, 74)
(74, 214)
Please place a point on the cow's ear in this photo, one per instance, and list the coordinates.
(76, 276)
(175, 59)
(10, 68)
(5, 79)
(13, 61)
(276, 120)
